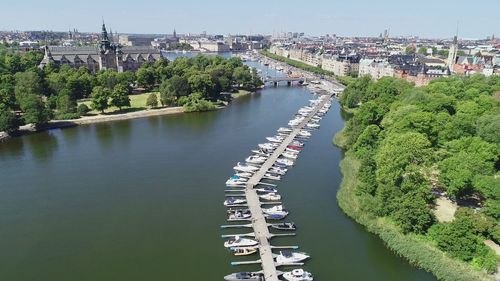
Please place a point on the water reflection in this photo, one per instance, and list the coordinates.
(104, 135)
(42, 145)
(71, 136)
(122, 130)
(13, 147)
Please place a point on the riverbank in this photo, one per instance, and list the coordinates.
(59, 124)
(418, 251)
(123, 116)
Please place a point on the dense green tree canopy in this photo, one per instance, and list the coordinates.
(413, 140)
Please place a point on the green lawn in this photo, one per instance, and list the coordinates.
(137, 102)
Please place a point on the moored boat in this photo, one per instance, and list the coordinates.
(298, 275)
(244, 276)
(266, 189)
(238, 241)
(234, 201)
(270, 196)
(284, 226)
(243, 251)
(287, 257)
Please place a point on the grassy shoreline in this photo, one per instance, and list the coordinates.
(414, 248)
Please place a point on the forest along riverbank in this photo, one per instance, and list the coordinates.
(415, 150)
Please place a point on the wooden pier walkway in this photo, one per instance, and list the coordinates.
(259, 223)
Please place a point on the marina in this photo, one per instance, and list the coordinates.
(269, 162)
(126, 223)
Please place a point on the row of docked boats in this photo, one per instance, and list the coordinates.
(301, 126)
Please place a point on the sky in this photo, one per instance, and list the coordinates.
(424, 18)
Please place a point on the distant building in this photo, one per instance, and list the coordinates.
(375, 68)
(136, 40)
(342, 65)
(107, 56)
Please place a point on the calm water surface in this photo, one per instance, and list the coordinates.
(142, 199)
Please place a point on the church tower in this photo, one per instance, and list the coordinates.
(452, 53)
(107, 56)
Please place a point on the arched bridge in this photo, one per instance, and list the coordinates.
(289, 80)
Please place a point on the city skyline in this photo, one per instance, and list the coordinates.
(356, 18)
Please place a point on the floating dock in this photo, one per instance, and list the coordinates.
(259, 223)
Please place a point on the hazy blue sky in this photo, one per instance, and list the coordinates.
(425, 18)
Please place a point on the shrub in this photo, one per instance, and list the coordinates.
(82, 109)
(152, 101)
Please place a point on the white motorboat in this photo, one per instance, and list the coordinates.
(266, 189)
(239, 215)
(278, 171)
(238, 241)
(245, 168)
(255, 159)
(276, 139)
(243, 175)
(234, 201)
(244, 276)
(261, 153)
(284, 130)
(288, 257)
(312, 125)
(274, 209)
(284, 161)
(298, 275)
(292, 150)
(289, 155)
(266, 146)
(230, 183)
(236, 181)
(304, 133)
(289, 226)
(297, 143)
(271, 197)
(243, 251)
(272, 177)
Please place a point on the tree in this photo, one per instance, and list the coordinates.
(488, 128)
(27, 83)
(65, 102)
(100, 96)
(410, 50)
(107, 78)
(458, 238)
(167, 96)
(7, 85)
(242, 77)
(422, 50)
(177, 85)
(145, 77)
(7, 119)
(413, 214)
(152, 101)
(13, 63)
(202, 83)
(468, 158)
(34, 110)
(119, 96)
(31, 59)
(397, 151)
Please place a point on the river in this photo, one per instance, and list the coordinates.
(142, 199)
